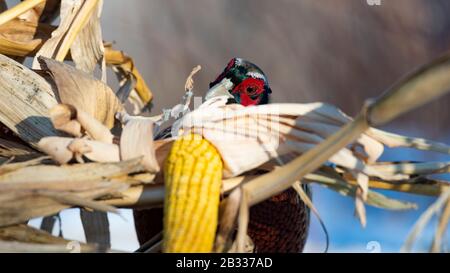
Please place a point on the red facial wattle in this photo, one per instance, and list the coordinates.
(249, 91)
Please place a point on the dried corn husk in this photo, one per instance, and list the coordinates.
(87, 49)
(270, 131)
(25, 99)
(137, 140)
(67, 118)
(63, 150)
(63, 117)
(79, 29)
(83, 91)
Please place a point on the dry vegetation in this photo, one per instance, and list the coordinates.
(67, 140)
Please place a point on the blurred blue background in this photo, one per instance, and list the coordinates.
(340, 52)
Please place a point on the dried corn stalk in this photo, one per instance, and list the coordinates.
(29, 235)
(42, 190)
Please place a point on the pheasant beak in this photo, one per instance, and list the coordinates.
(221, 89)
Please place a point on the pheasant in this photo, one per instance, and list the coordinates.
(193, 175)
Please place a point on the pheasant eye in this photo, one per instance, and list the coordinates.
(251, 90)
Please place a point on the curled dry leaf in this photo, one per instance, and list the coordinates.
(63, 150)
(63, 117)
(16, 36)
(83, 91)
(67, 118)
(127, 92)
(189, 85)
(127, 74)
(20, 38)
(137, 140)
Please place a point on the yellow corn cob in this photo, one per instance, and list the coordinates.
(193, 177)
